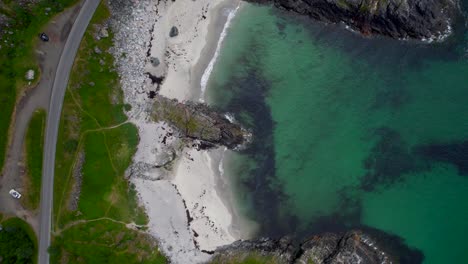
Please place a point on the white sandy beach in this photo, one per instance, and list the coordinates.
(186, 212)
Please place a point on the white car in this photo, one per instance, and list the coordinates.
(15, 194)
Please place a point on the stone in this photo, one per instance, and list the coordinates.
(30, 75)
(104, 33)
(174, 32)
(97, 50)
(154, 61)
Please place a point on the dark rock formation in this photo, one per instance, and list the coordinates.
(351, 247)
(198, 122)
(263, 249)
(155, 61)
(174, 32)
(419, 19)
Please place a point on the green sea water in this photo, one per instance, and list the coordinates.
(348, 132)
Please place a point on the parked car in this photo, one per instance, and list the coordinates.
(43, 36)
(15, 194)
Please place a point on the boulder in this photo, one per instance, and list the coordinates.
(97, 50)
(154, 61)
(103, 33)
(30, 75)
(174, 32)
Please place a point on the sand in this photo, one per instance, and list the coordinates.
(187, 213)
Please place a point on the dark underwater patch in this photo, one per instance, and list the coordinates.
(453, 153)
(347, 216)
(389, 160)
(392, 96)
(249, 100)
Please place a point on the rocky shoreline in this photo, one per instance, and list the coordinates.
(350, 247)
(428, 20)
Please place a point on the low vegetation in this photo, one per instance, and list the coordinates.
(18, 242)
(20, 23)
(34, 152)
(94, 205)
(104, 241)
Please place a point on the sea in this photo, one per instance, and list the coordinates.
(348, 132)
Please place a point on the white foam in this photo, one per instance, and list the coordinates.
(230, 117)
(207, 73)
(221, 163)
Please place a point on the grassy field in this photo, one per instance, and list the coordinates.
(104, 241)
(18, 242)
(17, 53)
(34, 152)
(95, 147)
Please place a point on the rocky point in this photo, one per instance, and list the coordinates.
(403, 19)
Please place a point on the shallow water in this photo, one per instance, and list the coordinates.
(349, 132)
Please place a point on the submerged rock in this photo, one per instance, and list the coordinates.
(418, 19)
(198, 122)
(351, 247)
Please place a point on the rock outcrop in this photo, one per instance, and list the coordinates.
(330, 248)
(417, 19)
(199, 122)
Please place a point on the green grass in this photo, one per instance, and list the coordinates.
(17, 54)
(34, 152)
(18, 242)
(93, 125)
(93, 102)
(104, 242)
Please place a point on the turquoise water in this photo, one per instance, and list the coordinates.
(349, 132)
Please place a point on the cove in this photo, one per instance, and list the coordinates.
(348, 131)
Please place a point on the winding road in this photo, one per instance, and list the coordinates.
(53, 120)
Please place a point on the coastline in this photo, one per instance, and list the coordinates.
(186, 202)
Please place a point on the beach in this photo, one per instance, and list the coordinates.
(179, 186)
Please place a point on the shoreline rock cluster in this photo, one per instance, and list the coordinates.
(199, 122)
(350, 247)
(429, 20)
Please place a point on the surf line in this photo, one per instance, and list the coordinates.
(207, 73)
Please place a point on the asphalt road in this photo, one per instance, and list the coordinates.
(53, 120)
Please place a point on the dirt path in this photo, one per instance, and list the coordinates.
(131, 225)
(48, 54)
